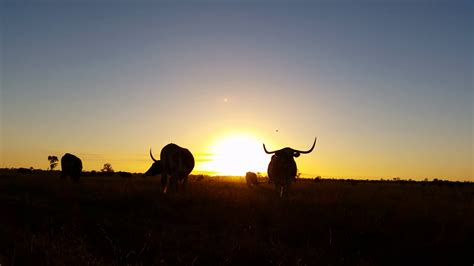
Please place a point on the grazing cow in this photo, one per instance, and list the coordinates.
(251, 179)
(175, 162)
(71, 166)
(282, 167)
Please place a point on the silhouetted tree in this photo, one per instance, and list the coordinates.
(107, 168)
(53, 162)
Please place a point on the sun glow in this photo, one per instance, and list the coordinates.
(236, 155)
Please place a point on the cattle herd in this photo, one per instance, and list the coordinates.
(176, 163)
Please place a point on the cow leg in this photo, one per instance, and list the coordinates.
(164, 182)
(174, 183)
(284, 190)
(185, 181)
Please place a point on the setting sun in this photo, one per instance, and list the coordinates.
(237, 154)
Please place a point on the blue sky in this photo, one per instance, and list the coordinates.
(385, 85)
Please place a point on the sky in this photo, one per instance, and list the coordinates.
(385, 86)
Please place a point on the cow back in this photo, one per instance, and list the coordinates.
(71, 165)
(176, 160)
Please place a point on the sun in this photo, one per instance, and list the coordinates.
(237, 154)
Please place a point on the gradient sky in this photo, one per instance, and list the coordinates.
(386, 86)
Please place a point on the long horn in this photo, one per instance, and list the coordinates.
(308, 151)
(151, 155)
(269, 152)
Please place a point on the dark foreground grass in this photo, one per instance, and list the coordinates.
(117, 221)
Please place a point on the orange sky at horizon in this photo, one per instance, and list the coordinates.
(386, 88)
(235, 153)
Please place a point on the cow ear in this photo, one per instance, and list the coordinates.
(296, 154)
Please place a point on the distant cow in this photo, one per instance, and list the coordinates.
(175, 162)
(251, 179)
(71, 166)
(282, 167)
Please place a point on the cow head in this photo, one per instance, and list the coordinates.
(155, 168)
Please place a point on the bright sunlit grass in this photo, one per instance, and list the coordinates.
(236, 154)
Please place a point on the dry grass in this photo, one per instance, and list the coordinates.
(119, 221)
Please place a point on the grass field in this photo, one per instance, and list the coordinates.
(120, 221)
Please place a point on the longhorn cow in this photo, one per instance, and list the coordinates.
(175, 162)
(71, 166)
(282, 167)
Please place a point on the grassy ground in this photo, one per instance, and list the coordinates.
(118, 221)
